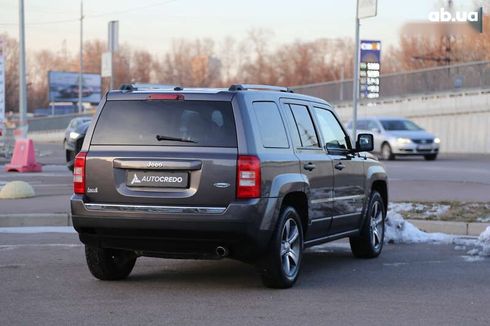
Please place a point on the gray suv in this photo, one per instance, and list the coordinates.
(253, 172)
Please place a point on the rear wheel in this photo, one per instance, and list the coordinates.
(387, 153)
(109, 264)
(370, 241)
(280, 265)
(430, 157)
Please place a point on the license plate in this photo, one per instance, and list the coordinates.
(157, 179)
(424, 147)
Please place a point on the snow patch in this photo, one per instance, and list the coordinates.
(424, 210)
(480, 247)
(485, 219)
(397, 230)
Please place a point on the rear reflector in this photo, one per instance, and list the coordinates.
(248, 177)
(79, 173)
(153, 97)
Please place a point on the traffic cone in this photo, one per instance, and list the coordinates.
(24, 158)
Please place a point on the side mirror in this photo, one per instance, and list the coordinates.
(364, 143)
(376, 130)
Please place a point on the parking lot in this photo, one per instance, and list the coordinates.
(46, 282)
(439, 283)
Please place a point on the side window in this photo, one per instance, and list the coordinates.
(305, 126)
(372, 125)
(293, 129)
(271, 127)
(362, 125)
(331, 130)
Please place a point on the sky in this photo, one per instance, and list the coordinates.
(153, 24)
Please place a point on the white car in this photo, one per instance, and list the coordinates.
(395, 136)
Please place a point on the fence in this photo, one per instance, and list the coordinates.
(472, 75)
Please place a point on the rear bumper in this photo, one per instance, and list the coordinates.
(175, 232)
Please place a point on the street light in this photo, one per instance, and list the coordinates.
(364, 9)
(22, 73)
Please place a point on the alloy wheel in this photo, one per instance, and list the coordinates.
(376, 225)
(290, 247)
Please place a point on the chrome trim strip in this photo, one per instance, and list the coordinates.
(334, 217)
(329, 200)
(155, 209)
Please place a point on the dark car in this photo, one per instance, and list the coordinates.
(72, 91)
(254, 173)
(74, 136)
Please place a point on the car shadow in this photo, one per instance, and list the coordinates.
(229, 274)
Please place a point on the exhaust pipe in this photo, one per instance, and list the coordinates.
(222, 251)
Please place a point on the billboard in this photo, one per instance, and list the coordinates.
(369, 67)
(63, 87)
(2, 84)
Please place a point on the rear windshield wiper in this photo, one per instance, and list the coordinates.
(160, 138)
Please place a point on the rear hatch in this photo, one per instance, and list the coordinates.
(163, 151)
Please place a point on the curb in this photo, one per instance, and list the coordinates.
(456, 228)
(19, 220)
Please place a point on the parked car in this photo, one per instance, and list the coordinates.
(399, 137)
(254, 173)
(74, 136)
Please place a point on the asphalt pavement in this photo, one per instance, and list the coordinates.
(45, 282)
(451, 177)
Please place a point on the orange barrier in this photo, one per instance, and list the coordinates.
(24, 158)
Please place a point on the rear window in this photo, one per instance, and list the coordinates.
(166, 123)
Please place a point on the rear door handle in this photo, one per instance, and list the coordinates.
(339, 166)
(309, 166)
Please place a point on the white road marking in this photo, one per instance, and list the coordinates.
(37, 245)
(38, 229)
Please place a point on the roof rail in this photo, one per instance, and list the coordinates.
(148, 87)
(244, 87)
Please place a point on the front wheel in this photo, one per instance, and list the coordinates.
(280, 265)
(387, 152)
(369, 243)
(109, 264)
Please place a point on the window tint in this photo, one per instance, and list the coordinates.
(402, 125)
(305, 126)
(292, 127)
(331, 130)
(270, 124)
(372, 125)
(362, 125)
(197, 123)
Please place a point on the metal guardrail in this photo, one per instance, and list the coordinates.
(53, 122)
(471, 75)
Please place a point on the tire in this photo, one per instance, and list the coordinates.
(280, 266)
(387, 153)
(369, 243)
(109, 264)
(430, 157)
(70, 160)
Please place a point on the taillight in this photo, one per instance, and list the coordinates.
(175, 97)
(248, 177)
(79, 173)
